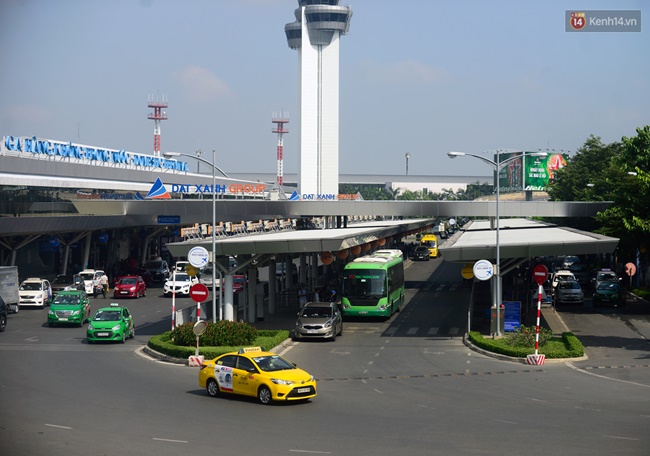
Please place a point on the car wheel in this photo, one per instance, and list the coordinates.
(3, 323)
(212, 388)
(341, 330)
(16, 308)
(144, 294)
(333, 338)
(132, 333)
(123, 336)
(81, 323)
(264, 395)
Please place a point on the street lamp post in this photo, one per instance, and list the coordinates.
(407, 156)
(497, 165)
(214, 223)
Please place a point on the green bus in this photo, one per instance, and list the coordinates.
(373, 285)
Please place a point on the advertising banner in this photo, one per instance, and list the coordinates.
(511, 174)
(539, 170)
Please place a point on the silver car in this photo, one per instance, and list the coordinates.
(569, 291)
(318, 320)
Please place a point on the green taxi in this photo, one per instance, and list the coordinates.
(114, 323)
(69, 307)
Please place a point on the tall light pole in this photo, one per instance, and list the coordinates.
(407, 156)
(497, 165)
(214, 222)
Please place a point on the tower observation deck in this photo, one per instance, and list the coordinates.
(315, 35)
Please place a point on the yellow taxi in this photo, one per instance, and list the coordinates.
(251, 371)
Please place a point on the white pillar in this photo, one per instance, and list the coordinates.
(272, 287)
(228, 298)
(252, 296)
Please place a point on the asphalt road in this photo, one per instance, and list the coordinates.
(406, 385)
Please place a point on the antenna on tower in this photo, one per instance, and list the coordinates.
(157, 115)
(280, 119)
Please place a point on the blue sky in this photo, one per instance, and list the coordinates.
(417, 76)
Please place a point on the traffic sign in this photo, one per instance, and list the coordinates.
(198, 292)
(467, 271)
(630, 269)
(483, 270)
(198, 257)
(540, 274)
(191, 270)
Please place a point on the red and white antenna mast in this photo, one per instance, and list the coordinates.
(157, 115)
(280, 120)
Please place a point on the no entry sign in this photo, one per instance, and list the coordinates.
(540, 274)
(198, 292)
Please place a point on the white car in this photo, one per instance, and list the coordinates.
(35, 292)
(91, 279)
(561, 276)
(179, 283)
(206, 278)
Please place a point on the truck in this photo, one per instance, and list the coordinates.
(9, 285)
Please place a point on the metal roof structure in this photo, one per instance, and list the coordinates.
(522, 238)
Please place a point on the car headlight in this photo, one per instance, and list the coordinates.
(382, 307)
(49, 312)
(116, 327)
(328, 324)
(298, 324)
(279, 381)
(76, 312)
(90, 327)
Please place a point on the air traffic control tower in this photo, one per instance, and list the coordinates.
(318, 49)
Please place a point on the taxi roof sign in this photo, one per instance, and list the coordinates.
(115, 304)
(249, 349)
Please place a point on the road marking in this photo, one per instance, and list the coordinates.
(57, 426)
(620, 437)
(377, 391)
(32, 339)
(412, 331)
(603, 376)
(170, 440)
(310, 451)
(433, 331)
(505, 422)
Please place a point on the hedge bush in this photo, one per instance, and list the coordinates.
(567, 346)
(163, 344)
(220, 333)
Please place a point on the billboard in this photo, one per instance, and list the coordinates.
(539, 170)
(521, 171)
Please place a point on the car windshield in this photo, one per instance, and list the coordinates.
(63, 280)
(66, 299)
(128, 281)
(180, 278)
(273, 363)
(87, 275)
(107, 315)
(30, 286)
(608, 286)
(316, 312)
(567, 285)
(153, 265)
(607, 276)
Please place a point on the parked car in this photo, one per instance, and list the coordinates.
(609, 294)
(3, 314)
(35, 292)
(158, 269)
(568, 292)
(206, 278)
(238, 283)
(569, 260)
(318, 320)
(421, 253)
(64, 282)
(130, 287)
(114, 323)
(179, 283)
(69, 306)
(257, 373)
